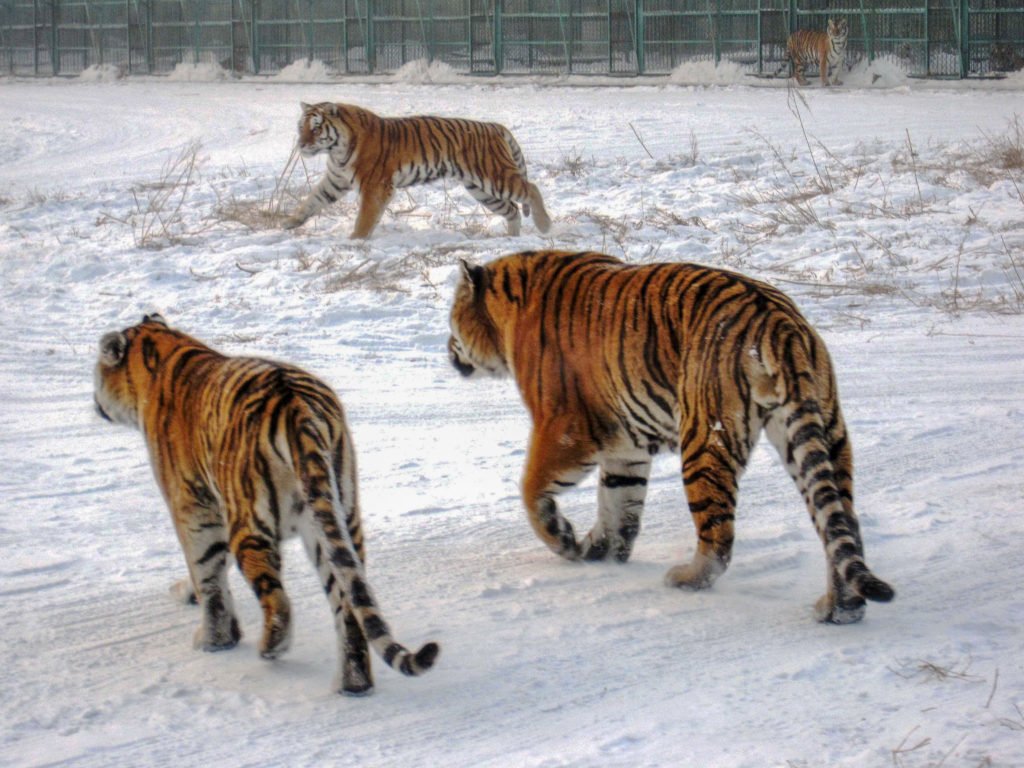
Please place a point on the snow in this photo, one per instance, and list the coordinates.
(883, 211)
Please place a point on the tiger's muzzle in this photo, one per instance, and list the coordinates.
(464, 368)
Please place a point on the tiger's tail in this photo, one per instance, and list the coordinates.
(323, 495)
(816, 451)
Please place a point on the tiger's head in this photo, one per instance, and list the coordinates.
(474, 347)
(320, 130)
(838, 29)
(126, 361)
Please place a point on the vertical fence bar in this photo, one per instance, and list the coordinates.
(54, 37)
(499, 48)
(965, 38)
(638, 37)
(927, 39)
(371, 41)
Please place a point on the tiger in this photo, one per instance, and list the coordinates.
(380, 154)
(826, 49)
(248, 452)
(616, 362)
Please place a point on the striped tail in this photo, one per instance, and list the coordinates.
(324, 499)
(820, 461)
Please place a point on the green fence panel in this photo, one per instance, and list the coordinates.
(28, 37)
(927, 38)
(995, 36)
(191, 32)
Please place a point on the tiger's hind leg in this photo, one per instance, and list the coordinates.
(714, 455)
(504, 207)
(259, 560)
(557, 460)
(355, 677)
(373, 200)
(620, 504)
(204, 542)
(798, 70)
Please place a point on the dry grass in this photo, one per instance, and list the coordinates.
(158, 217)
(269, 211)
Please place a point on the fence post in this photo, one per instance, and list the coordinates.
(792, 16)
(499, 50)
(371, 42)
(865, 29)
(254, 32)
(150, 53)
(638, 17)
(54, 37)
(716, 30)
(760, 42)
(965, 38)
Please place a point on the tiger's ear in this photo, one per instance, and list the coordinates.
(304, 106)
(156, 317)
(475, 275)
(113, 346)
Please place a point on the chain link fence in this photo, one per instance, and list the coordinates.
(925, 38)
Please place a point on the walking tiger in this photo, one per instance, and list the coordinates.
(380, 154)
(616, 362)
(248, 452)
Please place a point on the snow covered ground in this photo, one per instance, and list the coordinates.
(886, 211)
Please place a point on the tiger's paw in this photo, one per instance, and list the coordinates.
(292, 222)
(354, 682)
(183, 592)
(605, 547)
(556, 531)
(699, 574)
(828, 610)
(277, 637)
(594, 548)
(221, 638)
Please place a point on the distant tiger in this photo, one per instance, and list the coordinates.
(616, 362)
(826, 49)
(248, 452)
(380, 154)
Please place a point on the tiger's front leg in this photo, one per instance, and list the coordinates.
(330, 189)
(620, 504)
(204, 542)
(557, 461)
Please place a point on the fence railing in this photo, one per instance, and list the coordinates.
(927, 38)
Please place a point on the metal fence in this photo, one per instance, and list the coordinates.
(928, 38)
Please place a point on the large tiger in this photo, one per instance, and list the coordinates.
(248, 452)
(616, 362)
(826, 49)
(380, 154)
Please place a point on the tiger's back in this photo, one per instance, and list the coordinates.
(826, 49)
(380, 154)
(616, 362)
(248, 452)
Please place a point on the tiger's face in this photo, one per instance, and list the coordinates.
(318, 132)
(474, 347)
(837, 29)
(118, 386)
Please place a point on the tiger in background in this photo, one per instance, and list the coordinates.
(826, 49)
(248, 452)
(616, 362)
(380, 154)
